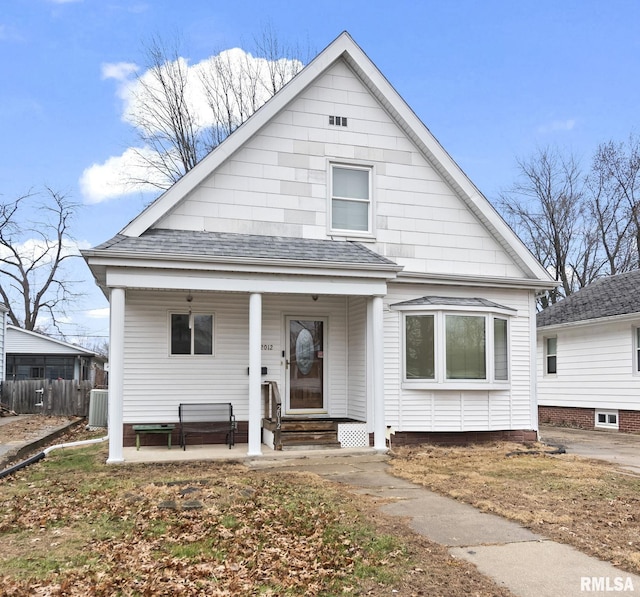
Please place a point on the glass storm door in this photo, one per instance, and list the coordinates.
(305, 356)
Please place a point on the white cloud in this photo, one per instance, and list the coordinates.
(120, 71)
(117, 176)
(557, 125)
(101, 182)
(33, 248)
(98, 313)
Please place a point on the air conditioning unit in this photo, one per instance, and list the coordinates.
(98, 404)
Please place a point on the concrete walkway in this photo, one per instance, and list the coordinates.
(529, 565)
(621, 449)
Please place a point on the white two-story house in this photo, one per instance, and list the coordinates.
(331, 250)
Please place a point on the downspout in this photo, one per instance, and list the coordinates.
(45, 452)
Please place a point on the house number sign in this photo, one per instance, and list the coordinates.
(267, 346)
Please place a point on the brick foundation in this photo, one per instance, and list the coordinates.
(153, 439)
(580, 418)
(629, 421)
(461, 438)
(584, 418)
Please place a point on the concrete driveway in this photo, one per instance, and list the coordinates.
(622, 449)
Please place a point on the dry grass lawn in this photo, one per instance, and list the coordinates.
(72, 525)
(585, 503)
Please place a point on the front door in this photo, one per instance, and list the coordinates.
(305, 357)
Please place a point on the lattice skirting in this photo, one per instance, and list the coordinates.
(353, 435)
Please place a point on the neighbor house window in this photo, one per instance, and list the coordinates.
(636, 346)
(607, 419)
(351, 199)
(551, 349)
(40, 367)
(191, 333)
(449, 347)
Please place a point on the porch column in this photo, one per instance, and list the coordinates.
(255, 374)
(377, 346)
(116, 373)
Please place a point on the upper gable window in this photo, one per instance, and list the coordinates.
(351, 203)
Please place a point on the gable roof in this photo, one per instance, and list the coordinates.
(344, 48)
(607, 297)
(21, 341)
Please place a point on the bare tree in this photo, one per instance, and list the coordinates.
(165, 119)
(547, 208)
(166, 106)
(614, 183)
(34, 247)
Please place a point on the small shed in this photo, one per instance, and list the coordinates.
(30, 355)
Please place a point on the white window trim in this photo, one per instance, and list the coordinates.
(192, 355)
(440, 381)
(607, 414)
(545, 341)
(360, 234)
(636, 350)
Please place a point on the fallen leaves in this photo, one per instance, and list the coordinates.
(581, 502)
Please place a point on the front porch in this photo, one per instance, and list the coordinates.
(220, 453)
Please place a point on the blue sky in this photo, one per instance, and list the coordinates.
(493, 80)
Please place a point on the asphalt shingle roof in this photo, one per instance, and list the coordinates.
(606, 297)
(162, 242)
(451, 301)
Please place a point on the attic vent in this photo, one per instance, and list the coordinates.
(338, 120)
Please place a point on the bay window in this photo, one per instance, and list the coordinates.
(450, 346)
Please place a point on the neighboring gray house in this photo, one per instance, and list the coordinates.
(589, 356)
(30, 355)
(331, 247)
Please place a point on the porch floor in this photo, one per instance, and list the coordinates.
(221, 452)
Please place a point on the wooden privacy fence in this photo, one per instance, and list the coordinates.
(60, 397)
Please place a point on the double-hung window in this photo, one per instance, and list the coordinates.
(351, 202)
(551, 355)
(191, 334)
(455, 346)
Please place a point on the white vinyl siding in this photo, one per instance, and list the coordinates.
(279, 181)
(18, 341)
(156, 382)
(439, 409)
(596, 366)
(357, 359)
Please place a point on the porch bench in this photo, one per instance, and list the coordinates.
(206, 417)
(142, 429)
